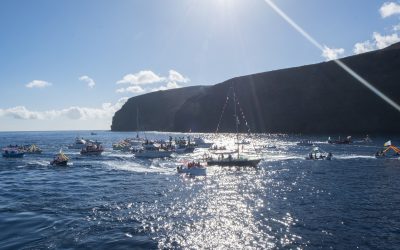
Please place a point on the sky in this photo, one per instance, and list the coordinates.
(69, 65)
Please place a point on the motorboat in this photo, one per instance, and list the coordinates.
(80, 143)
(150, 150)
(317, 154)
(12, 152)
(217, 148)
(60, 159)
(192, 169)
(183, 147)
(201, 143)
(347, 140)
(243, 142)
(92, 148)
(306, 143)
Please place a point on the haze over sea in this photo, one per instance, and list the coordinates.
(118, 202)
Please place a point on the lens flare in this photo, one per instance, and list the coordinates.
(341, 64)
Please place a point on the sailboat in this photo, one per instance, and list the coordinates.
(127, 144)
(231, 160)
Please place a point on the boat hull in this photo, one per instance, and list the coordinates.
(59, 163)
(234, 163)
(184, 150)
(97, 153)
(192, 171)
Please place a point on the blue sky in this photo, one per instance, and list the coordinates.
(51, 51)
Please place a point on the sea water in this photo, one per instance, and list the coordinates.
(115, 201)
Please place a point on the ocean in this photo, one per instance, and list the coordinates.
(115, 201)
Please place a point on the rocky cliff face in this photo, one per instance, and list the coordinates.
(317, 98)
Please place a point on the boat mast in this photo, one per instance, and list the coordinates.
(237, 123)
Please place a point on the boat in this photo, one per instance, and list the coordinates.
(305, 143)
(347, 140)
(239, 160)
(317, 154)
(32, 149)
(93, 133)
(182, 146)
(80, 143)
(60, 159)
(150, 150)
(243, 142)
(384, 152)
(233, 161)
(201, 143)
(217, 148)
(12, 152)
(192, 169)
(92, 148)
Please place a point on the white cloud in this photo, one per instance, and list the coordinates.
(363, 47)
(175, 76)
(332, 53)
(90, 82)
(38, 84)
(385, 41)
(142, 77)
(173, 80)
(379, 42)
(132, 89)
(389, 8)
(170, 85)
(396, 27)
(107, 110)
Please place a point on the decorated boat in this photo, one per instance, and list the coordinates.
(60, 159)
(236, 159)
(385, 152)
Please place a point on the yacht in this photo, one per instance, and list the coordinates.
(80, 143)
(150, 150)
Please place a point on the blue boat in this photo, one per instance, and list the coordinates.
(12, 153)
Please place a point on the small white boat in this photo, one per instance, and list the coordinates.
(200, 143)
(317, 154)
(192, 169)
(149, 150)
(306, 143)
(80, 143)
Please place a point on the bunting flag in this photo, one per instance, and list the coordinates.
(241, 114)
(387, 144)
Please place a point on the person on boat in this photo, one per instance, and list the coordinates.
(230, 157)
(310, 155)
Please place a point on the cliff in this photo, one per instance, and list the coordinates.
(318, 98)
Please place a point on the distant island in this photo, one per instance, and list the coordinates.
(318, 98)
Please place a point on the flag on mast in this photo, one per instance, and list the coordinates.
(388, 143)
